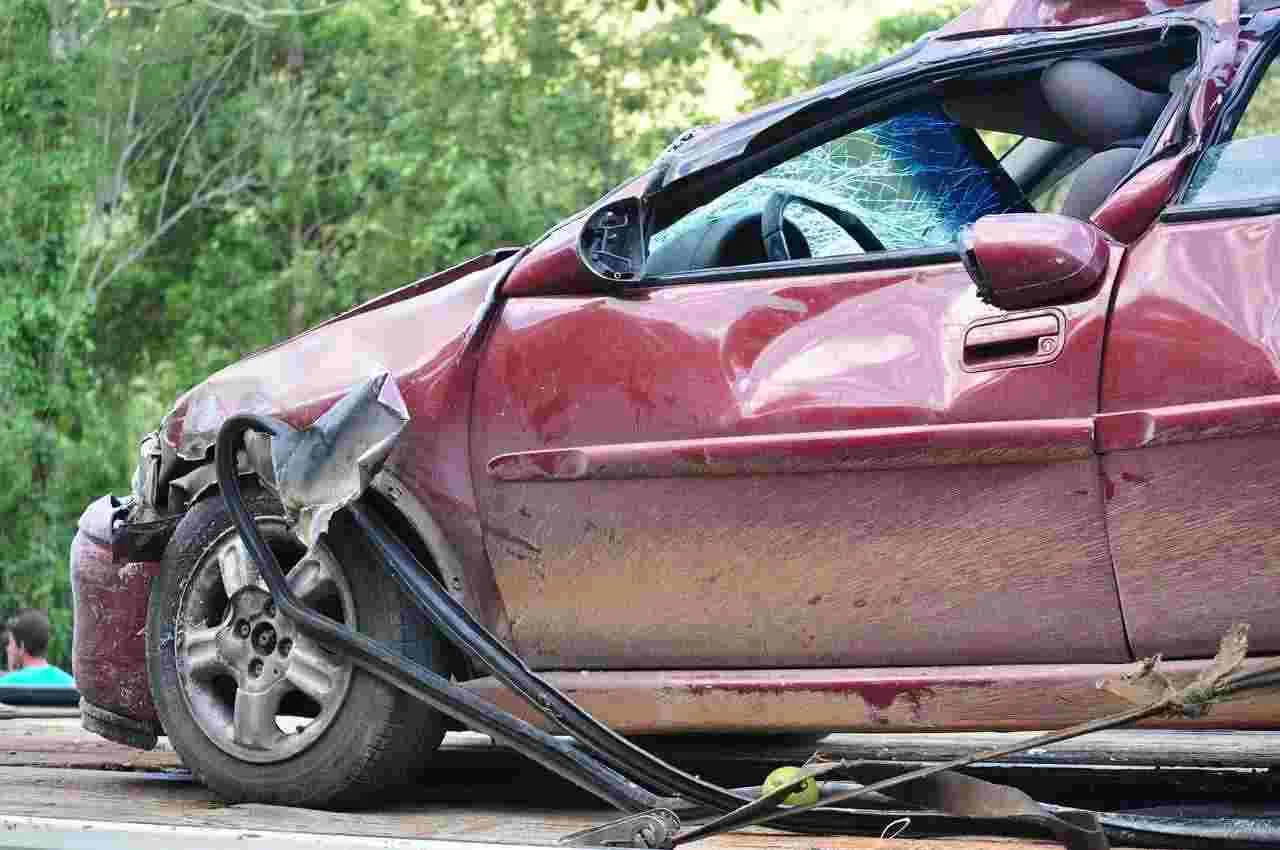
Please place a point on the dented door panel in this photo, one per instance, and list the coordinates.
(791, 472)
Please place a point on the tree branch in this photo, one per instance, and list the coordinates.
(196, 115)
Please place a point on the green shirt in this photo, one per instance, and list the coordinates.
(46, 676)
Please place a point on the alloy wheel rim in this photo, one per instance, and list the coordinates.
(259, 689)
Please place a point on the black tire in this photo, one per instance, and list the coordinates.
(379, 738)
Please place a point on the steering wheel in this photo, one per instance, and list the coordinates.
(775, 240)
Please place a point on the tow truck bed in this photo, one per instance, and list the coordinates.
(63, 787)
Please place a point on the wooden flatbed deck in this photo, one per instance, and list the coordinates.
(61, 786)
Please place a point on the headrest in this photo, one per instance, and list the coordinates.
(1099, 105)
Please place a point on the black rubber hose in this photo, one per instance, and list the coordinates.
(614, 785)
(623, 761)
(561, 757)
(456, 622)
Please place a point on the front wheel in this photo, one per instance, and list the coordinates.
(259, 711)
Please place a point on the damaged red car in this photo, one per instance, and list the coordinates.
(831, 420)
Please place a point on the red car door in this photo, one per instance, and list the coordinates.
(845, 460)
(1191, 387)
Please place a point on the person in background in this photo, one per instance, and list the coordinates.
(25, 650)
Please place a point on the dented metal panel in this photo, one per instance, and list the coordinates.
(416, 339)
(322, 468)
(421, 341)
(1198, 317)
(109, 645)
(676, 543)
(1184, 423)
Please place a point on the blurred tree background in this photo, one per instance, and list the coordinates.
(184, 182)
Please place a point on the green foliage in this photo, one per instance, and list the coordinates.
(181, 185)
(775, 78)
(55, 434)
(700, 6)
(1262, 114)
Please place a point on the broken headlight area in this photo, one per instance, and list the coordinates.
(164, 487)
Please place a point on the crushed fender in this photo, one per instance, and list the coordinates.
(323, 468)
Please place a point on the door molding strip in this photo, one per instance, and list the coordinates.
(904, 447)
(977, 443)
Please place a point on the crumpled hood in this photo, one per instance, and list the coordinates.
(409, 332)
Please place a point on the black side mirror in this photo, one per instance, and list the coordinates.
(612, 243)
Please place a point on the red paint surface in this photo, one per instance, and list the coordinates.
(554, 266)
(1032, 441)
(660, 553)
(421, 341)
(1191, 385)
(109, 646)
(1134, 206)
(1037, 258)
(1198, 316)
(1020, 697)
(1187, 422)
(1023, 14)
(1196, 544)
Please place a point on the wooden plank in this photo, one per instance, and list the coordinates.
(179, 803)
(62, 738)
(1150, 748)
(24, 833)
(470, 762)
(476, 791)
(60, 741)
(8, 712)
(473, 791)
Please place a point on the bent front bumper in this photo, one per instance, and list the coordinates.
(109, 648)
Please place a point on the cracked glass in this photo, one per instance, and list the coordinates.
(914, 180)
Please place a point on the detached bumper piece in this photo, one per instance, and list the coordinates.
(326, 468)
(108, 648)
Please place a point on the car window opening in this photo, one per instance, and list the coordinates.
(1057, 138)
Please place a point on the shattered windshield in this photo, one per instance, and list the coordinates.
(914, 179)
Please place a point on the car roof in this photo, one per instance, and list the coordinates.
(704, 147)
(1003, 15)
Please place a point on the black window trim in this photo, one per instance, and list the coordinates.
(1223, 131)
(1245, 208)
(844, 264)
